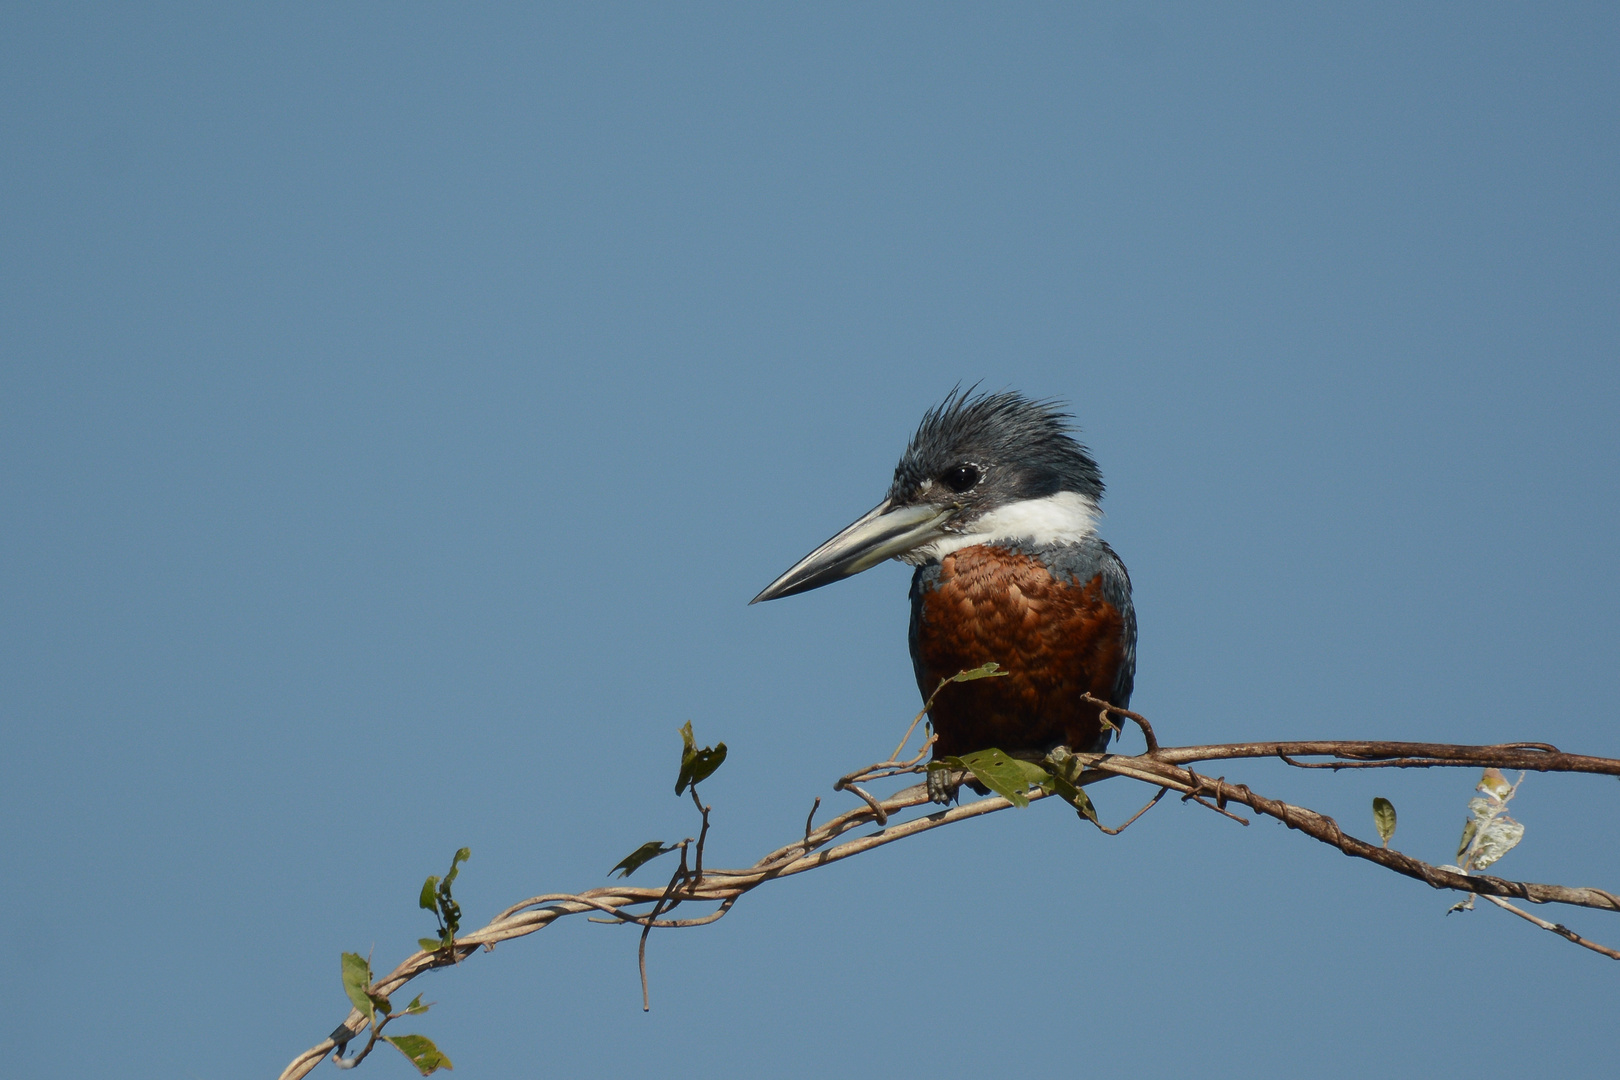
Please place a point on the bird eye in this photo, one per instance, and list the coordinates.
(962, 477)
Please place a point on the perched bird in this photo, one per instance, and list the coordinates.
(995, 504)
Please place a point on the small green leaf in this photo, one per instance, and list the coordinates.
(420, 1049)
(1083, 805)
(697, 765)
(642, 855)
(462, 855)
(437, 899)
(416, 1006)
(703, 763)
(991, 670)
(1384, 818)
(1470, 827)
(381, 1002)
(1070, 792)
(356, 983)
(1006, 776)
(430, 944)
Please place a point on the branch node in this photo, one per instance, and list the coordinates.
(1104, 708)
(1150, 804)
(881, 814)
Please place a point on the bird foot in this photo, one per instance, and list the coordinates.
(944, 785)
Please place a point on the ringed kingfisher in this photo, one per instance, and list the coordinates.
(995, 504)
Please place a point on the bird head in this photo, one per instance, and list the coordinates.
(980, 469)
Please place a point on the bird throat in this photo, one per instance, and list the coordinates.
(1066, 517)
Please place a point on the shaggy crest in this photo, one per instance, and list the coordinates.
(1002, 432)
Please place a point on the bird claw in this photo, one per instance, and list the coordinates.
(943, 785)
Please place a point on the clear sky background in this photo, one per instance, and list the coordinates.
(400, 404)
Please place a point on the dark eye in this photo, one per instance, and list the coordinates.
(962, 477)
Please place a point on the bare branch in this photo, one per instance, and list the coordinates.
(1531, 757)
(1163, 768)
(1325, 829)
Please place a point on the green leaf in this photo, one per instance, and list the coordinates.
(1470, 827)
(697, 765)
(991, 670)
(983, 671)
(1006, 776)
(430, 944)
(642, 855)
(1083, 804)
(437, 899)
(1384, 818)
(416, 1006)
(705, 761)
(1066, 789)
(462, 855)
(381, 1002)
(420, 1049)
(356, 981)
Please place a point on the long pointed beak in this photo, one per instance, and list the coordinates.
(881, 533)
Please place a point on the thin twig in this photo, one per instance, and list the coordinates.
(879, 770)
(1558, 928)
(915, 720)
(881, 814)
(1141, 721)
(641, 948)
(1129, 821)
(703, 835)
(1239, 818)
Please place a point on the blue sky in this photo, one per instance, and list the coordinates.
(399, 405)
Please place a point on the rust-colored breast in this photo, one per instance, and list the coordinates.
(1058, 638)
